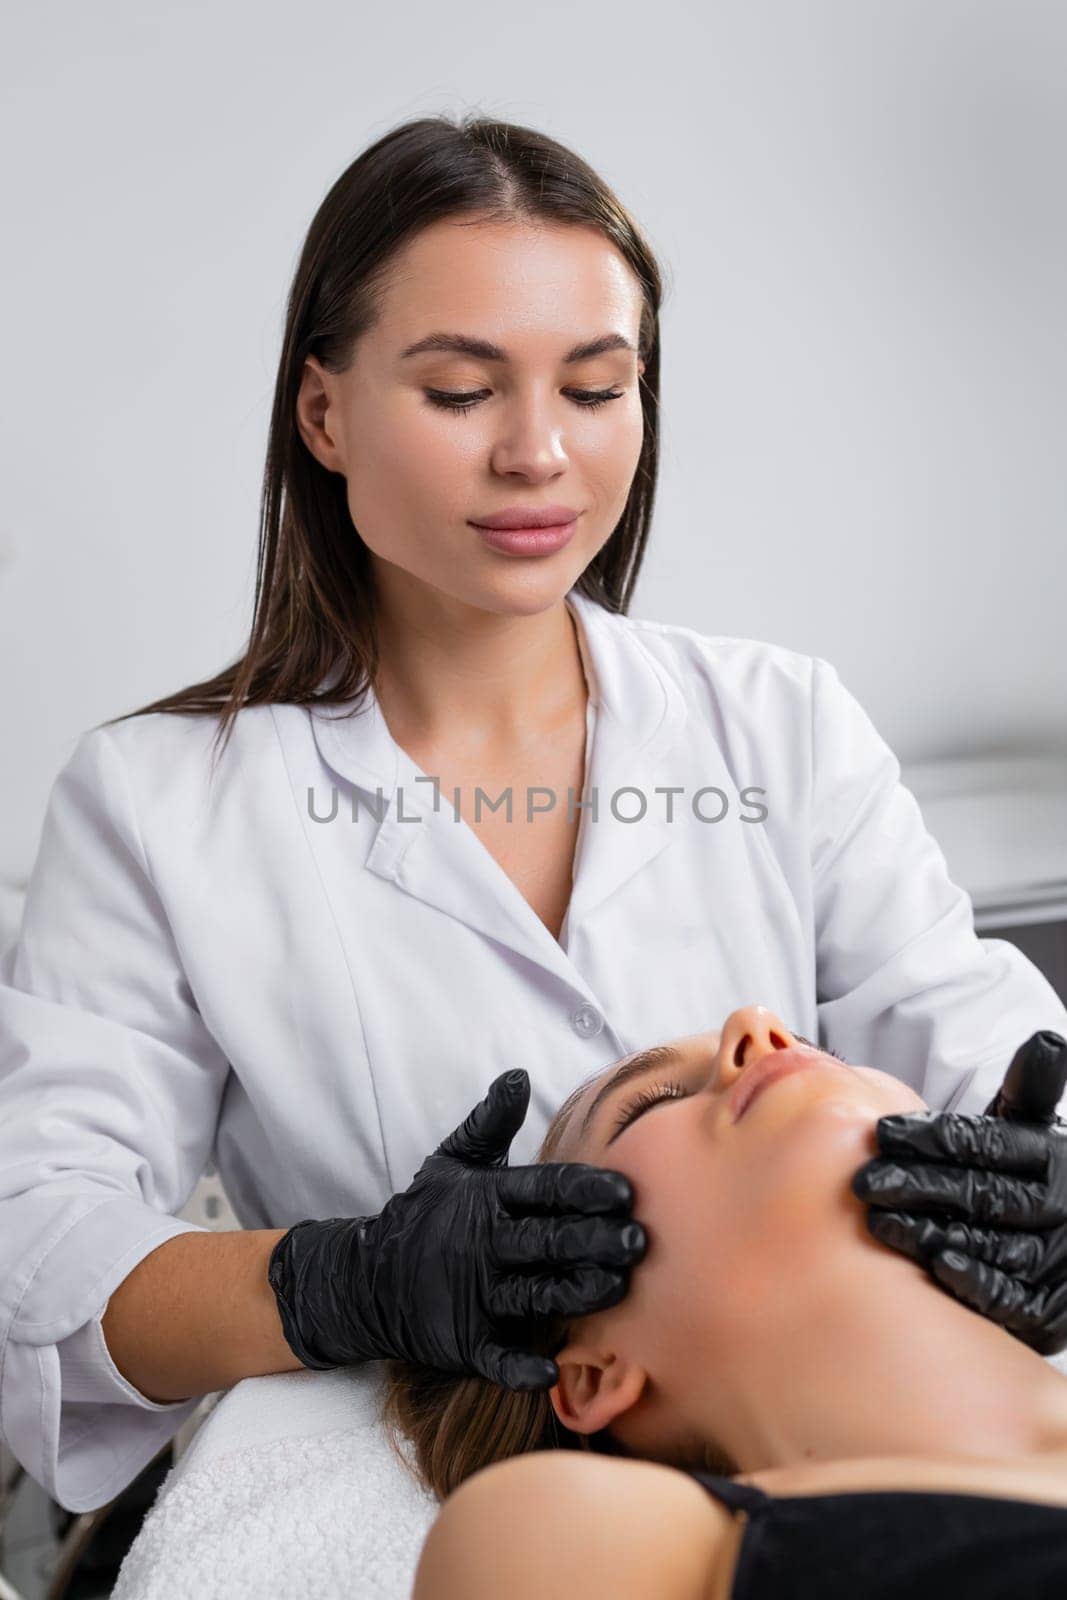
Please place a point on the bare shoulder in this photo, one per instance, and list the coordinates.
(547, 1524)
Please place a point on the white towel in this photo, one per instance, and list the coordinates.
(290, 1487)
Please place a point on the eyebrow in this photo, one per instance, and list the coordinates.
(482, 350)
(660, 1055)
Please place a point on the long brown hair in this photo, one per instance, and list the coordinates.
(456, 1425)
(314, 612)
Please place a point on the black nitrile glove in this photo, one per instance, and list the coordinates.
(1006, 1168)
(470, 1246)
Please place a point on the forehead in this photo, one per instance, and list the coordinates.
(509, 280)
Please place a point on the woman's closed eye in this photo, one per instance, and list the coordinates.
(644, 1100)
(586, 399)
(825, 1048)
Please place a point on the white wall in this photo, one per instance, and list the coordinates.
(859, 208)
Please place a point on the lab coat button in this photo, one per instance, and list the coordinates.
(587, 1021)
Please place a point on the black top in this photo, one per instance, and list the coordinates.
(879, 1543)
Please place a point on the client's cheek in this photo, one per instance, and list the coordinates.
(672, 1216)
(807, 1191)
(893, 1096)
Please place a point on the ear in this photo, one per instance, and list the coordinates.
(594, 1387)
(313, 420)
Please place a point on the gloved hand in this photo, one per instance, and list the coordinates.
(1007, 1168)
(472, 1244)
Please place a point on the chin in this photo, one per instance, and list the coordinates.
(502, 596)
(526, 594)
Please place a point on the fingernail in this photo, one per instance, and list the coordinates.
(633, 1235)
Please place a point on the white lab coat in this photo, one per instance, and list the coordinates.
(206, 965)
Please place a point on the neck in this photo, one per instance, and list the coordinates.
(887, 1363)
(452, 673)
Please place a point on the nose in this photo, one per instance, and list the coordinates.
(748, 1035)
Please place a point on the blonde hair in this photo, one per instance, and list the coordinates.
(457, 1425)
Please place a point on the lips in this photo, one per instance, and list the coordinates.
(513, 517)
(774, 1065)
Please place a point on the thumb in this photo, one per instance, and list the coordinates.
(484, 1137)
(1034, 1082)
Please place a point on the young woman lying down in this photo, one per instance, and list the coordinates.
(781, 1405)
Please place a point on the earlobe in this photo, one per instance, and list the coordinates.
(594, 1389)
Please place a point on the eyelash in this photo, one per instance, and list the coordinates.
(590, 399)
(825, 1048)
(669, 1089)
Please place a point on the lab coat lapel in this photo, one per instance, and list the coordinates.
(441, 861)
(641, 713)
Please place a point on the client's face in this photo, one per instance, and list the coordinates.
(745, 1206)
